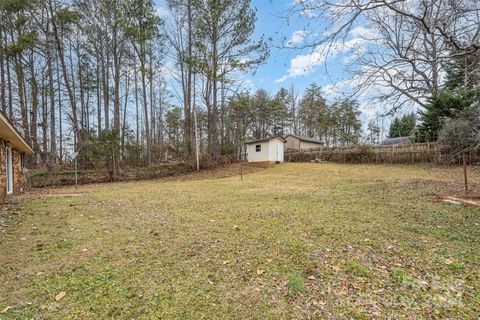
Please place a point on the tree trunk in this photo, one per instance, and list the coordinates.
(124, 123)
(145, 110)
(53, 145)
(188, 102)
(60, 51)
(81, 87)
(152, 102)
(45, 154)
(136, 104)
(99, 103)
(34, 111)
(106, 90)
(60, 119)
(116, 80)
(21, 96)
(3, 100)
(213, 125)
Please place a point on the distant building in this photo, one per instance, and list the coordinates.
(265, 150)
(399, 140)
(297, 142)
(13, 149)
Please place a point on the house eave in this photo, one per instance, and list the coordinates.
(12, 136)
(265, 139)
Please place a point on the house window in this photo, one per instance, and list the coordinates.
(9, 170)
(258, 148)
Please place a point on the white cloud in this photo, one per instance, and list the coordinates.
(305, 64)
(362, 32)
(161, 12)
(297, 38)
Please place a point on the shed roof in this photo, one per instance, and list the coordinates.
(266, 139)
(306, 139)
(398, 140)
(10, 134)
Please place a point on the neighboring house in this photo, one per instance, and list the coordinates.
(297, 143)
(13, 149)
(399, 140)
(265, 150)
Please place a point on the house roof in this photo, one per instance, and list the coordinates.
(306, 139)
(10, 134)
(265, 139)
(399, 140)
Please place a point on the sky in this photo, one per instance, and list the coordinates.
(289, 65)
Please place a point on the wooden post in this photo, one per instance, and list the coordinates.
(464, 156)
(76, 174)
(241, 170)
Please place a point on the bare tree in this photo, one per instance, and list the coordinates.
(180, 37)
(406, 44)
(400, 64)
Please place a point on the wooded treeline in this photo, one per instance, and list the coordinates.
(258, 115)
(91, 76)
(71, 72)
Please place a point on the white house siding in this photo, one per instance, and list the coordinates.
(254, 156)
(268, 151)
(272, 150)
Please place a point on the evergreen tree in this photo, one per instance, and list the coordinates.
(445, 106)
(461, 92)
(347, 126)
(403, 127)
(313, 113)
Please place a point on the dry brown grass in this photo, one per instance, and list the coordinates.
(291, 241)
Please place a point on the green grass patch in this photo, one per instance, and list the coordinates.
(400, 275)
(296, 283)
(357, 268)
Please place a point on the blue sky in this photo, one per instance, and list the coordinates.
(270, 24)
(299, 67)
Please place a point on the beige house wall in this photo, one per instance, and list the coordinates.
(295, 143)
(309, 145)
(292, 143)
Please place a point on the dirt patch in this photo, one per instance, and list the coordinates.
(436, 187)
(471, 201)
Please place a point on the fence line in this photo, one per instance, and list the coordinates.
(402, 153)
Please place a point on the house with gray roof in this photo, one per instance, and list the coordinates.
(294, 142)
(398, 140)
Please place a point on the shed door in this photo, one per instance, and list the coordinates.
(280, 152)
(9, 173)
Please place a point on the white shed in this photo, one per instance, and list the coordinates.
(265, 150)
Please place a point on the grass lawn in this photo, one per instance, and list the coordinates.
(291, 241)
